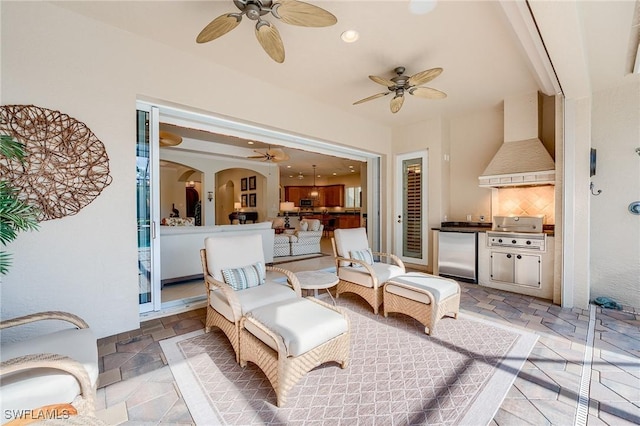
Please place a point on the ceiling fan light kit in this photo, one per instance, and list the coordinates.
(401, 84)
(291, 12)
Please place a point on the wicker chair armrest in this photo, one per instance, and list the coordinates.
(228, 292)
(41, 316)
(362, 263)
(58, 362)
(292, 280)
(391, 256)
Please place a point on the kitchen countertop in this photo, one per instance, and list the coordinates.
(472, 227)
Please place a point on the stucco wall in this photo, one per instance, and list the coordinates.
(475, 138)
(615, 232)
(57, 59)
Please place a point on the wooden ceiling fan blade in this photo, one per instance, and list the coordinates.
(384, 81)
(270, 40)
(219, 27)
(169, 139)
(424, 76)
(303, 14)
(277, 154)
(396, 103)
(428, 93)
(370, 98)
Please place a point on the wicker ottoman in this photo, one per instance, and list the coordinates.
(427, 298)
(288, 339)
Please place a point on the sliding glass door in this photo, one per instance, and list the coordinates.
(148, 203)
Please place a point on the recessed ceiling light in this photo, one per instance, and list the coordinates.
(349, 36)
(353, 171)
(250, 142)
(288, 167)
(351, 167)
(335, 174)
(290, 176)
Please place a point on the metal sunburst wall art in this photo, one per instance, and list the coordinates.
(66, 166)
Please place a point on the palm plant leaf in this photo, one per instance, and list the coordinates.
(15, 214)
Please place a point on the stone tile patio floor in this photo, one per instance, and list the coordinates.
(136, 385)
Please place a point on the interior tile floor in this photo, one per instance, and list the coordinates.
(136, 385)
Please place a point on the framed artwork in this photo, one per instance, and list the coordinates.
(252, 200)
(244, 200)
(243, 184)
(252, 183)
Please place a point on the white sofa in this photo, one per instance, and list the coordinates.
(180, 247)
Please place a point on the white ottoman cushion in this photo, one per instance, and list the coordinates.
(252, 298)
(302, 324)
(384, 272)
(38, 387)
(440, 288)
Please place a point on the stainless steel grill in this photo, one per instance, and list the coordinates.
(517, 232)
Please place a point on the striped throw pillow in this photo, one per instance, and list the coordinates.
(364, 255)
(245, 277)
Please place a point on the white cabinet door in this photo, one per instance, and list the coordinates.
(502, 267)
(527, 270)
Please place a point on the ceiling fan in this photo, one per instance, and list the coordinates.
(292, 12)
(169, 139)
(401, 84)
(275, 155)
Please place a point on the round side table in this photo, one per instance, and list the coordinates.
(317, 280)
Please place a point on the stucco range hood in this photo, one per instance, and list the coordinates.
(522, 159)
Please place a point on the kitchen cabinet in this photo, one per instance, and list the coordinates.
(532, 274)
(517, 268)
(328, 195)
(348, 221)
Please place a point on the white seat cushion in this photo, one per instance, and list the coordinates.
(384, 272)
(252, 298)
(302, 324)
(36, 388)
(440, 288)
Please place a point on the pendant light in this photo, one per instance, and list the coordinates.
(314, 190)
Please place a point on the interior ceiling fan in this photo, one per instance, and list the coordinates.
(292, 12)
(274, 155)
(402, 84)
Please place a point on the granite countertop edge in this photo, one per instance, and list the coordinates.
(475, 227)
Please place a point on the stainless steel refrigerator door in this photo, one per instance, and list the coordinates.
(457, 255)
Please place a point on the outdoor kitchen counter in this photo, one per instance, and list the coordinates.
(478, 227)
(464, 227)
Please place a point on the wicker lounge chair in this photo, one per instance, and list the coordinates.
(226, 306)
(53, 369)
(364, 277)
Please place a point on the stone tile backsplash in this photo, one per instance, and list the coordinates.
(529, 201)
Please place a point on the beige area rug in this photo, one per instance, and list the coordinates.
(396, 375)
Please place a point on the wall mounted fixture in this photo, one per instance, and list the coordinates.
(210, 196)
(598, 192)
